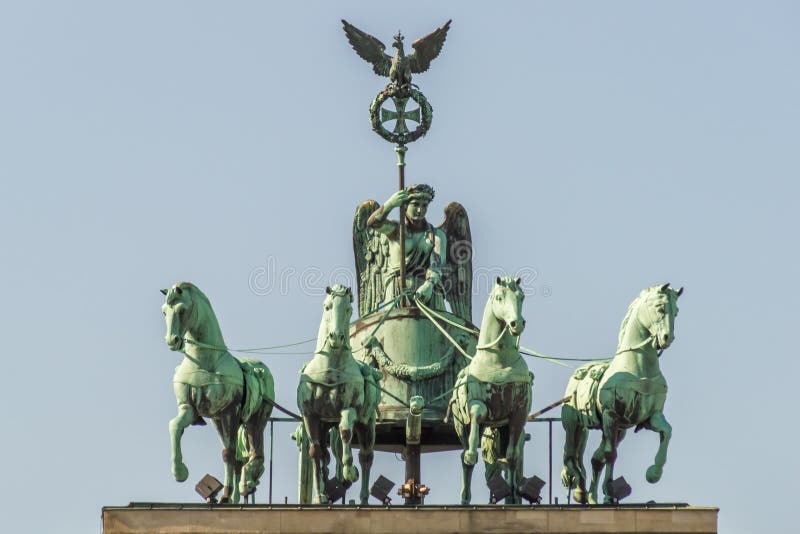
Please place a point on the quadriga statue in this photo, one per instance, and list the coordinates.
(629, 391)
(236, 394)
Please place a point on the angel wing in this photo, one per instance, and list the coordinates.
(371, 250)
(457, 271)
(426, 48)
(370, 48)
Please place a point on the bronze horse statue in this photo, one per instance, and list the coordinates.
(629, 391)
(494, 390)
(237, 394)
(335, 389)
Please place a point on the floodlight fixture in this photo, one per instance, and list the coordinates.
(498, 489)
(531, 489)
(618, 489)
(208, 488)
(334, 490)
(381, 489)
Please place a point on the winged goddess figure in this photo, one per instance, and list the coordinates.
(438, 259)
(400, 67)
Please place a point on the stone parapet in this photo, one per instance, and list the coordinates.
(263, 519)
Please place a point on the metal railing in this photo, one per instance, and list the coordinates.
(548, 420)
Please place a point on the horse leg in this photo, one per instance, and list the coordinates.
(477, 415)
(366, 438)
(466, 469)
(315, 451)
(346, 424)
(658, 423)
(227, 428)
(582, 439)
(612, 435)
(571, 473)
(186, 415)
(516, 425)
(335, 442)
(254, 467)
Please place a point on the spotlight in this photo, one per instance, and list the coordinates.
(498, 489)
(334, 490)
(208, 487)
(531, 488)
(618, 489)
(381, 489)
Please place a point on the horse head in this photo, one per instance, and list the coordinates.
(506, 303)
(337, 309)
(179, 312)
(657, 312)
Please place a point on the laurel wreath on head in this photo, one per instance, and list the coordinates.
(426, 112)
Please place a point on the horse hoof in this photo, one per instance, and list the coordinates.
(579, 495)
(350, 473)
(653, 474)
(470, 457)
(180, 472)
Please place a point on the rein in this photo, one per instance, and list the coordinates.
(496, 341)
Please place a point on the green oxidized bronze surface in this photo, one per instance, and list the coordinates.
(400, 134)
(629, 391)
(237, 394)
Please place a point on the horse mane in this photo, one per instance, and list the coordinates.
(623, 328)
(201, 297)
(195, 291)
(505, 282)
(339, 290)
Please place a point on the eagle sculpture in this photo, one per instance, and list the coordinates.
(400, 67)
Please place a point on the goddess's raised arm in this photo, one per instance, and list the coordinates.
(378, 220)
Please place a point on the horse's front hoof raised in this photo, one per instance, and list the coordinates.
(653, 474)
(470, 457)
(180, 472)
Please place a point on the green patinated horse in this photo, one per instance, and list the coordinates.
(335, 389)
(494, 390)
(629, 391)
(237, 394)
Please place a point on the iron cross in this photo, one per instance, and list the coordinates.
(400, 115)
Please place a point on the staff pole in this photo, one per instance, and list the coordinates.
(401, 175)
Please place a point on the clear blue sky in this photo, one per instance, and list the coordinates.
(604, 146)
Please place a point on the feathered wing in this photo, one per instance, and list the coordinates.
(427, 48)
(369, 48)
(457, 270)
(371, 250)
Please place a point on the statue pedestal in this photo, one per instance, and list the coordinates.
(284, 519)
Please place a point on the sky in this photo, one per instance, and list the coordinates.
(599, 148)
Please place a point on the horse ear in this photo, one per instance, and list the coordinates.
(347, 291)
(664, 287)
(498, 281)
(679, 293)
(178, 290)
(164, 291)
(328, 290)
(519, 281)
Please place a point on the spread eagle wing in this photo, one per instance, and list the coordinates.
(427, 48)
(457, 268)
(369, 48)
(371, 249)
